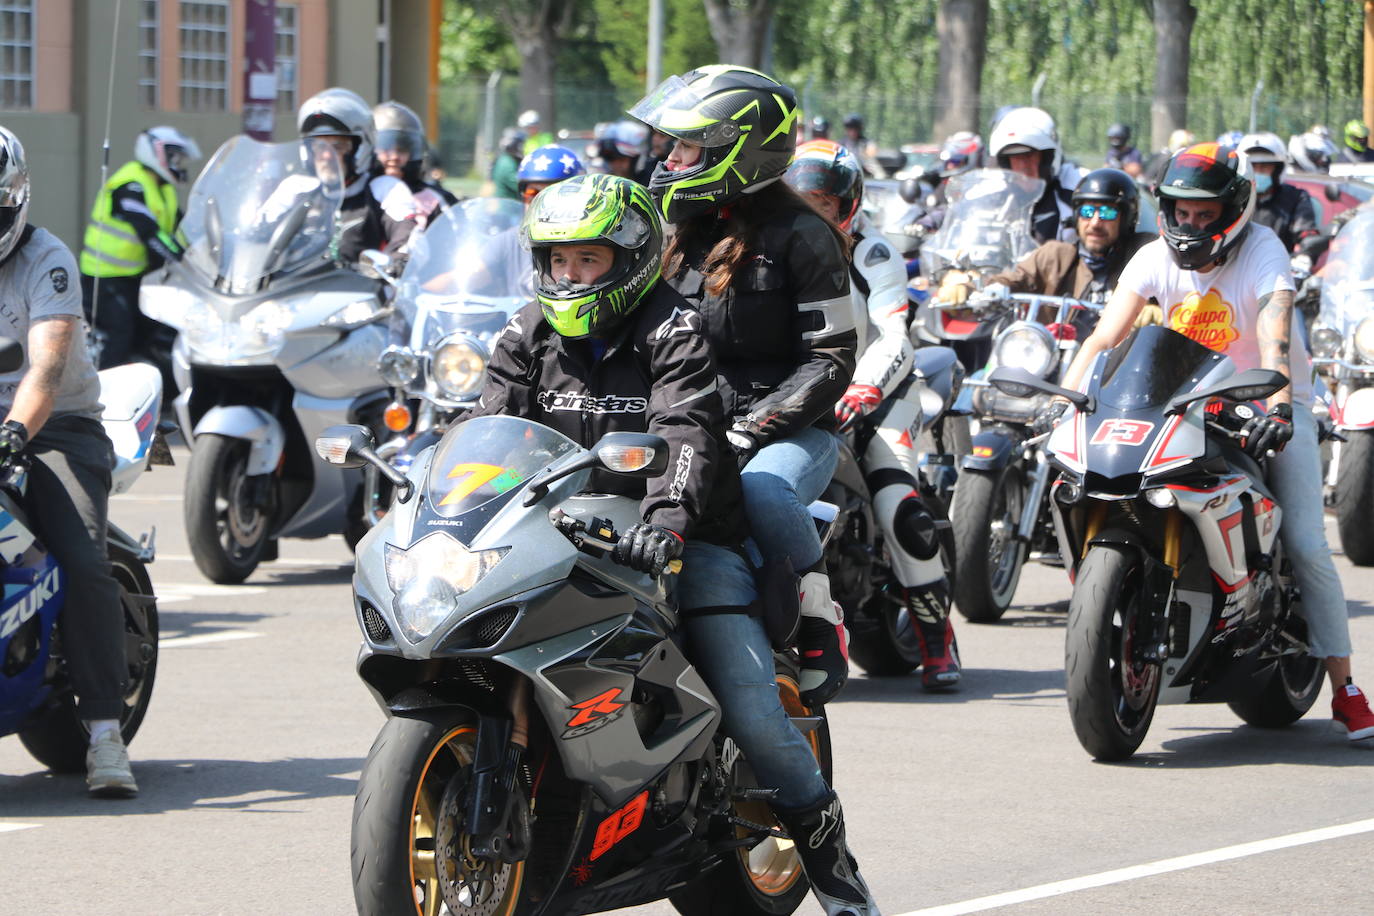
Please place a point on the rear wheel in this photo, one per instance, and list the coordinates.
(228, 517)
(1289, 693)
(1355, 497)
(985, 512)
(1112, 697)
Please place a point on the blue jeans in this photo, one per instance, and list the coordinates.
(735, 659)
(779, 483)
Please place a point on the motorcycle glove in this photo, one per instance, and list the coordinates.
(993, 292)
(1045, 422)
(858, 402)
(13, 438)
(647, 548)
(744, 444)
(1270, 432)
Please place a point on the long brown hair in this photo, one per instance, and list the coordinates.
(744, 222)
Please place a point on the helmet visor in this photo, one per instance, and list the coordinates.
(674, 108)
(1194, 175)
(567, 219)
(401, 141)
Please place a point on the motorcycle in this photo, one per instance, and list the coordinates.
(36, 698)
(548, 747)
(275, 343)
(999, 510)
(1182, 592)
(1342, 339)
(882, 636)
(465, 278)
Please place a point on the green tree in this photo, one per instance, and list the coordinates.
(623, 28)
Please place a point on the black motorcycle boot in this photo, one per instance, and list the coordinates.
(928, 606)
(818, 834)
(822, 641)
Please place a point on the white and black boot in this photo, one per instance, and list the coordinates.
(822, 641)
(818, 834)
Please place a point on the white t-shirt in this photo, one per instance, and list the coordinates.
(1219, 308)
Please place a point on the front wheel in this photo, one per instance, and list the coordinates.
(985, 512)
(58, 738)
(1112, 696)
(1355, 497)
(228, 514)
(407, 833)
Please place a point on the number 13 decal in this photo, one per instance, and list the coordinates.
(1122, 432)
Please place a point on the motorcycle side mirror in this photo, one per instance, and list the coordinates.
(1249, 385)
(1019, 383)
(376, 265)
(11, 354)
(632, 454)
(349, 446)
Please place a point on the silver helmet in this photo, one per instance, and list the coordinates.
(339, 112)
(14, 191)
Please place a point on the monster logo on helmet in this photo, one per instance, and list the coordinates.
(594, 210)
(744, 120)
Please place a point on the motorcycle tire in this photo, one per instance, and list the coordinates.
(58, 738)
(1286, 697)
(768, 879)
(396, 819)
(1355, 497)
(989, 559)
(227, 540)
(1111, 700)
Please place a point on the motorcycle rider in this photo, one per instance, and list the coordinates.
(52, 413)
(1213, 270)
(606, 326)
(961, 151)
(1026, 141)
(860, 145)
(131, 232)
(1120, 153)
(376, 213)
(885, 391)
(400, 154)
(530, 123)
(622, 147)
(1356, 147)
(507, 164)
(1311, 152)
(771, 280)
(1286, 209)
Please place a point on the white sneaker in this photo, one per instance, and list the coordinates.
(107, 768)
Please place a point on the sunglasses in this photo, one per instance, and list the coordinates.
(1102, 211)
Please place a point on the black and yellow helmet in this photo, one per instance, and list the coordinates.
(745, 120)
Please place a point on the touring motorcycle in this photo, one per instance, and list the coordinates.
(1182, 592)
(548, 746)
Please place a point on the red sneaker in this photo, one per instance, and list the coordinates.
(1350, 713)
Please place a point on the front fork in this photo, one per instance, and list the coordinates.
(497, 830)
(1035, 496)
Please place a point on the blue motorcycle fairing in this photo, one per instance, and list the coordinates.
(34, 594)
(991, 450)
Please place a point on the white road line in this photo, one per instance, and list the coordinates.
(177, 592)
(148, 498)
(315, 564)
(181, 642)
(1149, 870)
(7, 828)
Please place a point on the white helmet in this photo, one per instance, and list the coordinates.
(14, 192)
(1311, 152)
(166, 151)
(527, 119)
(1024, 129)
(339, 112)
(1263, 147)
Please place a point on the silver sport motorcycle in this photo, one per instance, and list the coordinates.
(275, 342)
(548, 747)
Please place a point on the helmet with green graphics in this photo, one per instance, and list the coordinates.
(745, 122)
(594, 210)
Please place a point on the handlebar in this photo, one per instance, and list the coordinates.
(600, 536)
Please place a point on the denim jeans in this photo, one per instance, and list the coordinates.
(735, 659)
(1295, 475)
(779, 483)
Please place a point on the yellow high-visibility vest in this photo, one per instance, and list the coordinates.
(111, 247)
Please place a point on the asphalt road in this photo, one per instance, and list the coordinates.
(962, 803)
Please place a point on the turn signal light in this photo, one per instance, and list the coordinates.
(397, 417)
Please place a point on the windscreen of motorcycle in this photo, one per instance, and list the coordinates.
(262, 208)
(483, 462)
(1348, 277)
(987, 222)
(1151, 366)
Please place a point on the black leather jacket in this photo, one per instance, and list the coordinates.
(783, 334)
(1289, 212)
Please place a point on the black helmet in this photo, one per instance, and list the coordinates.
(820, 128)
(745, 122)
(1114, 187)
(855, 121)
(1118, 135)
(1206, 171)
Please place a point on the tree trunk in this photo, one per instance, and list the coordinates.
(535, 27)
(962, 27)
(1173, 33)
(741, 31)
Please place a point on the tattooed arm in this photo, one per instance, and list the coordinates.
(1273, 327)
(50, 340)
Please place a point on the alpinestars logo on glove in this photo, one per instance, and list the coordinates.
(610, 403)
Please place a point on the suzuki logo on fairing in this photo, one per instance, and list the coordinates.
(1122, 432)
(41, 593)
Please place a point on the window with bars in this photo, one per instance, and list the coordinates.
(16, 54)
(288, 43)
(204, 55)
(148, 47)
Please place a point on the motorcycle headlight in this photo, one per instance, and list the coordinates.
(428, 577)
(357, 314)
(459, 364)
(202, 327)
(167, 304)
(1026, 346)
(262, 329)
(398, 366)
(1364, 339)
(1326, 342)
